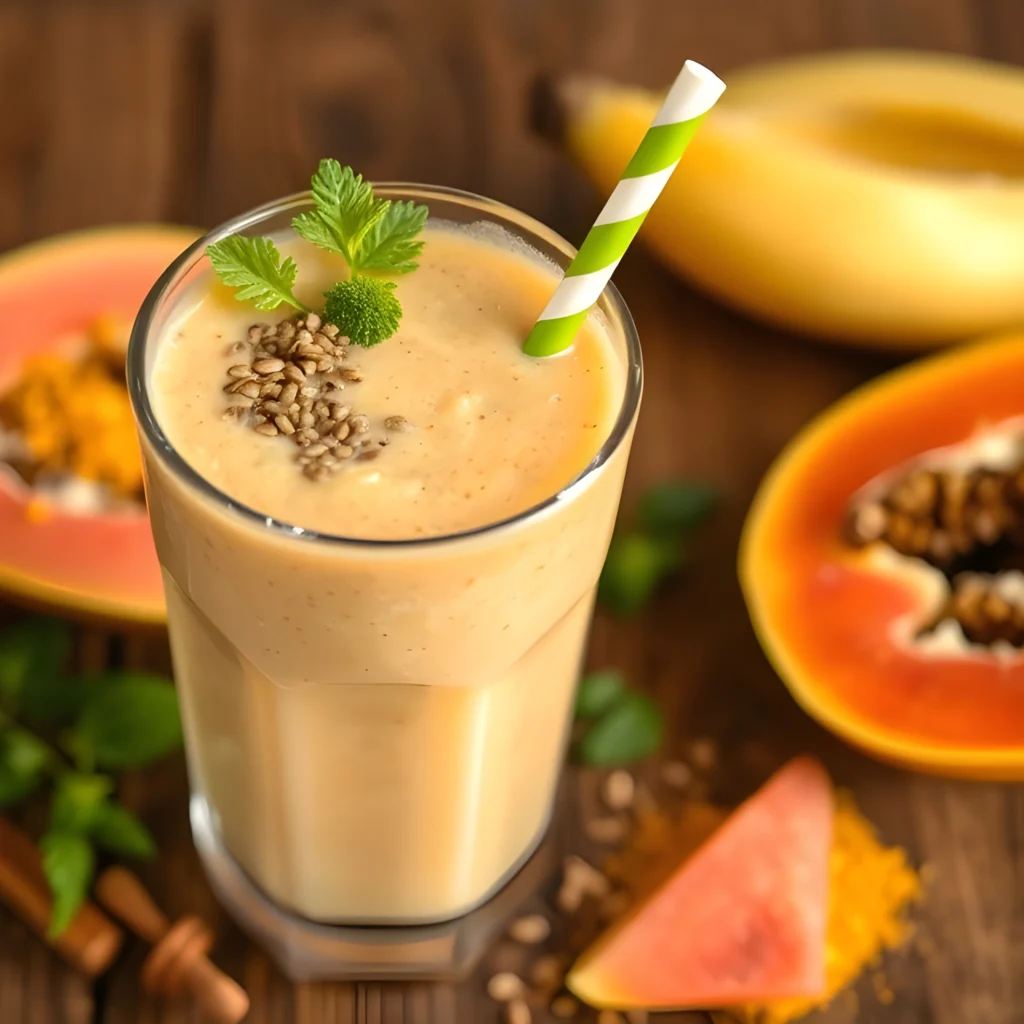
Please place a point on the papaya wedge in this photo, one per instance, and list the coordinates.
(881, 564)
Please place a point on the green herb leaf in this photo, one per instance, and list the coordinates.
(635, 565)
(598, 691)
(32, 654)
(77, 800)
(391, 245)
(346, 210)
(131, 720)
(368, 233)
(676, 507)
(363, 308)
(68, 865)
(631, 729)
(23, 761)
(117, 829)
(253, 266)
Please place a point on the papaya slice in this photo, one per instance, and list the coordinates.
(93, 566)
(881, 564)
(742, 920)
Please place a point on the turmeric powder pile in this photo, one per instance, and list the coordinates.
(71, 416)
(870, 889)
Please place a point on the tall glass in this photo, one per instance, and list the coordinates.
(375, 729)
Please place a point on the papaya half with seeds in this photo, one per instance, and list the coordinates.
(882, 564)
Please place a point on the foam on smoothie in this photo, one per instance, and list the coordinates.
(496, 432)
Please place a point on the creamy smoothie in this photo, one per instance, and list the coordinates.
(378, 727)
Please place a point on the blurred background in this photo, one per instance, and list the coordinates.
(189, 110)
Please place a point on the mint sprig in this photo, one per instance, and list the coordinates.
(373, 236)
(108, 721)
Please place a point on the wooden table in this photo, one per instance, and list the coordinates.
(190, 111)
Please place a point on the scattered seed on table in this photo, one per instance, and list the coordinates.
(547, 972)
(517, 1012)
(704, 754)
(617, 790)
(605, 830)
(530, 929)
(564, 1007)
(505, 986)
(677, 774)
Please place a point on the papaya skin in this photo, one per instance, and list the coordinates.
(824, 613)
(843, 197)
(97, 568)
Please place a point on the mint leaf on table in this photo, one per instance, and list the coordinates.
(127, 722)
(32, 655)
(630, 730)
(636, 563)
(391, 245)
(253, 267)
(68, 864)
(23, 763)
(675, 507)
(116, 829)
(598, 692)
(76, 801)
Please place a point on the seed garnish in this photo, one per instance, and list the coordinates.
(288, 389)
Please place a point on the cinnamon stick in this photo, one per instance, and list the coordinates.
(90, 942)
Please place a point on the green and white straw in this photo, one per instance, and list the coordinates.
(693, 94)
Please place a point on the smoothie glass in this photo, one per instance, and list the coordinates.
(374, 729)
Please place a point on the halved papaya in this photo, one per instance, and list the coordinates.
(95, 566)
(881, 564)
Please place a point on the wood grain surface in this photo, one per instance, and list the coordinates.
(185, 111)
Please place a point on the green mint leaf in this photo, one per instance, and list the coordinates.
(32, 655)
(76, 802)
(598, 691)
(364, 309)
(346, 211)
(23, 762)
(116, 829)
(391, 245)
(630, 730)
(254, 268)
(635, 565)
(676, 507)
(128, 722)
(68, 865)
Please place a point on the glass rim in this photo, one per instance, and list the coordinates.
(138, 388)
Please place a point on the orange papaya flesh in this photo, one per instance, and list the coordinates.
(839, 623)
(96, 566)
(743, 919)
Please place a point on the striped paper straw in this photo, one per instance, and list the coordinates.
(693, 94)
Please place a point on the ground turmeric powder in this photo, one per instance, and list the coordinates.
(72, 415)
(870, 888)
